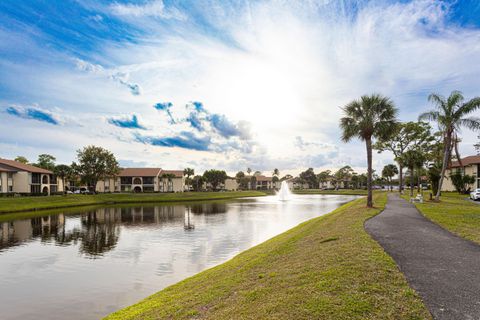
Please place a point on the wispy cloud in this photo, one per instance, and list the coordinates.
(127, 123)
(185, 140)
(118, 76)
(33, 114)
(166, 106)
(153, 8)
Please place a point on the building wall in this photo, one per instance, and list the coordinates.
(231, 185)
(21, 183)
(178, 184)
(470, 170)
(3, 182)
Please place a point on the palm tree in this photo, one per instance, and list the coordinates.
(451, 115)
(62, 171)
(276, 172)
(373, 116)
(188, 172)
(388, 172)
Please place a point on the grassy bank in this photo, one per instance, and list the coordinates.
(9, 205)
(353, 192)
(325, 268)
(455, 213)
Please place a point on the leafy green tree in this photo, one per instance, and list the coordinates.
(370, 117)
(407, 135)
(324, 176)
(388, 172)
(413, 159)
(197, 183)
(94, 164)
(46, 161)
(344, 175)
(451, 115)
(462, 182)
(63, 171)
(21, 159)
(308, 176)
(242, 180)
(215, 177)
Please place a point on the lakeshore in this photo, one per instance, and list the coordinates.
(325, 268)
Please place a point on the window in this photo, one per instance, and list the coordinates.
(148, 189)
(53, 179)
(35, 178)
(148, 180)
(137, 181)
(45, 179)
(35, 188)
(126, 180)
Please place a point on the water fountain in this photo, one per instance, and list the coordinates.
(284, 194)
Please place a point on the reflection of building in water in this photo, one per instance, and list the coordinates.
(209, 208)
(98, 231)
(18, 231)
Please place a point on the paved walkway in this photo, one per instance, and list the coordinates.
(443, 268)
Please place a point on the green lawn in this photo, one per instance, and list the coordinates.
(325, 268)
(354, 192)
(455, 213)
(8, 205)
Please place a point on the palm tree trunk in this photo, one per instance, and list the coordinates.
(446, 157)
(368, 143)
(412, 178)
(400, 178)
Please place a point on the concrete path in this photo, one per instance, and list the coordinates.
(443, 268)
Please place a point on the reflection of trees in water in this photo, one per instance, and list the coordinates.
(98, 232)
(209, 208)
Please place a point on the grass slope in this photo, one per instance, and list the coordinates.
(325, 268)
(353, 192)
(8, 205)
(455, 213)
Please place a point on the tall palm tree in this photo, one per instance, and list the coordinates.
(388, 172)
(189, 172)
(371, 116)
(451, 115)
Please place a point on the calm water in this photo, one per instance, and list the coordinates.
(89, 264)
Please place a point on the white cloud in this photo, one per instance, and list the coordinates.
(284, 67)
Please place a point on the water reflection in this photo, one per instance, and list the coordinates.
(87, 264)
(99, 229)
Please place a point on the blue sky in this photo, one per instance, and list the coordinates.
(224, 84)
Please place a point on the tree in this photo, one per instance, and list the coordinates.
(369, 117)
(323, 176)
(413, 159)
(21, 159)
(188, 172)
(276, 172)
(94, 164)
(197, 183)
(451, 115)
(249, 171)
(63, 171)
(308, 176)
(462, 182)
(344, 175)
(46, 161)
(407, 135)
(388, 172)
(242, 180)
(215, 177)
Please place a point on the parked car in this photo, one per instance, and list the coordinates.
(475, 194)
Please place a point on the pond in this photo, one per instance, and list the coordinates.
(88, 264)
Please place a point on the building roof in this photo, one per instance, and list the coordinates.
(466, 161)
(139, 172)
(177, 173)
(263, 178)
(14, 166)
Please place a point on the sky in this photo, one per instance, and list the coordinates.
(224, 84)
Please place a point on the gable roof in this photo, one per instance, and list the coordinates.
(263, 178)
(466, 161)
(139, 172)
(15, 166)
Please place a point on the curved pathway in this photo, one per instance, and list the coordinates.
(443, 268)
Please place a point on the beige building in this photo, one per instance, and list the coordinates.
(17, 177)
(144, 180)
(470, 166)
